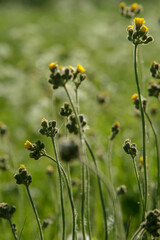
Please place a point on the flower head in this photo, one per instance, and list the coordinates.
(144, 29)
(134, 96)
(28, 144)
(80, 69)
(52, 65)
(22, 167)
(134, 6)
(139, 22)
(122, 5)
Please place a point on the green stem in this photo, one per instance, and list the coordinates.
(77, 102)
(35, 212)
(61, 189)
(100, 190)
(70, 197)
(83, 167)
(137, 232)
(14, 234)
(138, 181)
(157, 152)
(88, 203)
(143, 133)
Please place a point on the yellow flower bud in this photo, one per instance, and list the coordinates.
(52, 65)
(28, 144)
(139, 21)
(122, 5)
(22, 167)
(134, 6)
(80, 69)
(134, 96)
(144, 29)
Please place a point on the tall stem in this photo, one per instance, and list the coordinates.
(70, 197)
(100, 191)
(61, 189)
(35, 212)
(137, 232)
(143, 132)
(83, 167)
(138, 182)
(14, 234)
(157, 152)
(88, 203)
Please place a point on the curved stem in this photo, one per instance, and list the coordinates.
(14, 234)
(100, 190)
(157, 152)
(138, 181)
(61, 189)
(70, 197)
(143, 133)
(35, 212)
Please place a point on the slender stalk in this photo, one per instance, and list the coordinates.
(109, 160)
(83, 167)
(14, 234)
(61, 190)
(70, 197)
(138, 182)
(157, 152)
(143, 133)
(137, 232)
(77, 102)
(35, 212)
(88, 204)
(100, 191)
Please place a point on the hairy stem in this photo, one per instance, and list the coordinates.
(143, 132)
(35, 212)
(11, 225)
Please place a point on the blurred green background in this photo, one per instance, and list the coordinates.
(92, 33)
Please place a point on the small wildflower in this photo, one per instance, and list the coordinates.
(69, 150)
(65, 110)
(144, 29)
(28, 145)
(121, 190)
(6, 212)
(134, 6)
(152, 224)
(80, 69)
(48, 128)
(122, 5)
(23, 177)
(155, 70)
(130, 148)
(37, 150)
(139, 22)
(52, 65)
(115, 130)
(141, 159)
(134, 96)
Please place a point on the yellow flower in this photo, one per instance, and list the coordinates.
(52, 65)
(44, 120)
(134, 6)
(139, 21)
(144, 29)
(117, 124)
(122, 5)
(141, 159)
(28, 144)
(80, 69)
(22, 167)
(71, 68)
(134, 96)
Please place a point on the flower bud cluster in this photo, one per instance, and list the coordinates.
(3, 128)
(72, 124)
(23, 177)
(3, 163)
(152, 224)
(48, 128)
(69, 150)
(61, 75)
(130, 148)
(138, 33)
(130, 11)
(6, 211)
(154, 89)
(136, 101)
(65, 110)
(115, 130)
(155, 70)
(37, 149)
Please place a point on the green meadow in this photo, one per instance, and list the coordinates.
(93, 34)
